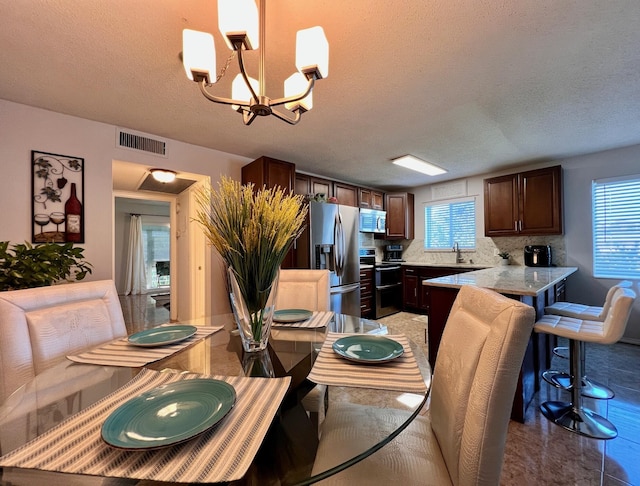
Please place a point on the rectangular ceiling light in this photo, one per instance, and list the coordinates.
(413, 163)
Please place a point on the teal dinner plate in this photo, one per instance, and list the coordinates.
(368, 349)
(160, 336)
(291, 315)
(169, 414)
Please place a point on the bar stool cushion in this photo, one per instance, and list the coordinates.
(608, 331)
(581, 311)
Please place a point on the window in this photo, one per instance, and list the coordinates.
(616, 227)
(446, 223)
(156, 241)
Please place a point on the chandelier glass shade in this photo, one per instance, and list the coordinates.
(243, 29)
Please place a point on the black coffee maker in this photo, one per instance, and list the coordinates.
(393, 253)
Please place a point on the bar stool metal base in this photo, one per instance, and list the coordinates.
(590, 388)
(561, 352)
(580, 421)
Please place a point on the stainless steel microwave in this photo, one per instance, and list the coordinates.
(372, 221)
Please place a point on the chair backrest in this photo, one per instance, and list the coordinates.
(474, 382)
(615, 323)
(624, 284)
(303, 289)
(40, 326)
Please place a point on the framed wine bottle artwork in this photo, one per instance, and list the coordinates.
(57, 198)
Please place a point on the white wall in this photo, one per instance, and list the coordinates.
(574, 248)
(24, 128)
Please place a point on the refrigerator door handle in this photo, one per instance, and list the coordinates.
(339, 246)
(344, 289)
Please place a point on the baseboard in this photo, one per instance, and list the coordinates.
(630, 341)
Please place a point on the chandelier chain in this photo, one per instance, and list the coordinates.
(224, 68)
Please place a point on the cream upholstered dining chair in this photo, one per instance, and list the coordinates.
(40, 326)
(309, 290)
(460, 441)
(303, 289)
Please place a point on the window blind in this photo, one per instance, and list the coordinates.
(446, 223)
(616, 227)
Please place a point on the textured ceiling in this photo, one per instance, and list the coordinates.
(470, 85)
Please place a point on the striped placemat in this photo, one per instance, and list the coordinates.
(401, 374)
(220, 454)
(318, 319)
(121, 353)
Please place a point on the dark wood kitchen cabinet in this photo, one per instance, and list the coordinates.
(366, 293)
(320, 186)
(370, 199)
(346, 194)
(269, 172)
(416, 295)
(526, 203)
(400, 222)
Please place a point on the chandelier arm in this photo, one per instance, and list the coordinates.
(244, 75)
(248, 117)
(285, 118)
(218, 99)
(294, 98)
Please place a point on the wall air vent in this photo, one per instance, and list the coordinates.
(138, 141)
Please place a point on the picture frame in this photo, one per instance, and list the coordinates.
(57, 198)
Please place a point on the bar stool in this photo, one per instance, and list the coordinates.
(572, 415)
(561, 379)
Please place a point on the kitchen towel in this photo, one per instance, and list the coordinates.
(401, 374)
(121, 353)
(223, 453)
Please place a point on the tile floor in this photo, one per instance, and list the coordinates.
(537, 452)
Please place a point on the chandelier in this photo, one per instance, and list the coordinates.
(240, 26)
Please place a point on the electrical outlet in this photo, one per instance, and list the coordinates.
(495, 252)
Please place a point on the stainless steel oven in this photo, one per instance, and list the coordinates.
(388, 284)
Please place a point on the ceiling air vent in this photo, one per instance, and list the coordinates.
(137, 141)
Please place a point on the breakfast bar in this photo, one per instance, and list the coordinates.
(536, 286)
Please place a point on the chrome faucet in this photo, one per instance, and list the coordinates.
(456, 248)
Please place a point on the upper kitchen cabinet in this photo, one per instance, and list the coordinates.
(370, 199)
(321, 186)
(269, 172)
(526, 203)
(400, 222)
(308, 185)
(346, 194)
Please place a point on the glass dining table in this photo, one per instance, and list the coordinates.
(286, 454)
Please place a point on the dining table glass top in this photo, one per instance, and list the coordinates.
(287, 452)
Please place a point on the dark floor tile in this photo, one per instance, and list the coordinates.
(627, 422)
(609, 481)
(622, 460)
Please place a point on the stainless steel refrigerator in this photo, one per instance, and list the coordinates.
(333, 238)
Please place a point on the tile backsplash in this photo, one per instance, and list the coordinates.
(484, 254)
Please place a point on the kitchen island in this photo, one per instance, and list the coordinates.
(536, 286)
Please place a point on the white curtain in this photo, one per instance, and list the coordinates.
(136, 277)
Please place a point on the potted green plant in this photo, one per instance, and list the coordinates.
(504, 257)
(25, 266)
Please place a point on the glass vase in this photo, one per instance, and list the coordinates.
(253, 312)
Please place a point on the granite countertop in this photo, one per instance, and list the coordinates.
(474, 266)
(510, 279)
